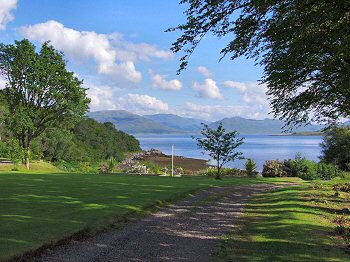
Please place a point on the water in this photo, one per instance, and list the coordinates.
(258, 147)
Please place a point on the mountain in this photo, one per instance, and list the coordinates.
(177, 122)
(131, 123)
(265, 126)
(169, 123)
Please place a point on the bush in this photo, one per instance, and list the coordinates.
(274, 168)
(303, 168)
(111, 163)
(104, 168)
(327, 171)
(250, 167)
(300, 167)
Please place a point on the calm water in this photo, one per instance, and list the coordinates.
(258, 147)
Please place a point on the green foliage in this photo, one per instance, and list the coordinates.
(89, 141)
(327, 171)
(250, 167)
(153, 168)
(220, 145)
(306, 169)
(303, 46)
(111, 163)
(12, 151)
(40, 92)
(300, 167)
(335, 147)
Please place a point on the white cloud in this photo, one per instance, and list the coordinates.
(6, 6)
(204, 71)
(102, 97)
(208, 89)
(217, 112)
(140, 51)
(253, 92)
(142, 104)
(114, 57)
(159, 81)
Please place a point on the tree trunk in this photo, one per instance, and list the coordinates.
(218, 173)
(27, 154)
(27, 161)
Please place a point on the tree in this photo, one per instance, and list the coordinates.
(335, 147)
(250, 167)
(41, 93)
(303, 45)
(220, 145)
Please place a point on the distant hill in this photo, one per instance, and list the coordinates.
(131, 123)
(265, 126)
(177, 122)
(169, 123)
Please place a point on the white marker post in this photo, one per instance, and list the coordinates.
(172, 160)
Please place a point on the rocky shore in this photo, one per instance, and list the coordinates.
(140, 162)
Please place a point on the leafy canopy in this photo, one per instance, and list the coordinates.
(303, 45)
(335, 147)
(220, 145)
(89, 141)
(40, 92)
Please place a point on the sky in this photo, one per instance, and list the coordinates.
(121, 52)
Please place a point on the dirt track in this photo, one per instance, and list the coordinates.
(187, 231)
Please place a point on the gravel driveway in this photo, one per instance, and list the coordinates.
(187, 231)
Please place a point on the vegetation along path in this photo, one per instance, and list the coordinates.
(187, 231)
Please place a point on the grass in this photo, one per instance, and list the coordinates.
(290, 224)
(39, 209)
(35, 167)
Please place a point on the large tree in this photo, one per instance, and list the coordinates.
(220, 145)
(303, 45)
(41, 93)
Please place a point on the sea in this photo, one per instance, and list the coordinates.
(257, 147)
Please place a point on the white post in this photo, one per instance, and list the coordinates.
(172, 160)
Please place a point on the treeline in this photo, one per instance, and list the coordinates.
(88, 142)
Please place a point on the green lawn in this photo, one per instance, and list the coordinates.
(37, 209)
(35, 167)
(291, 224)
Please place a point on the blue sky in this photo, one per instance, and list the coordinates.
(121, 51)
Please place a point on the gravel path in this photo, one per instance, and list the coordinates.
(187, 231)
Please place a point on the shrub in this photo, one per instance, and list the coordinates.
(154, 168)
(104, 168)
(300, 167)
(250, 167)
(327, 171)
(273, 168)
(111, 163)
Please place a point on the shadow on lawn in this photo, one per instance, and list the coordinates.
(283, 226)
